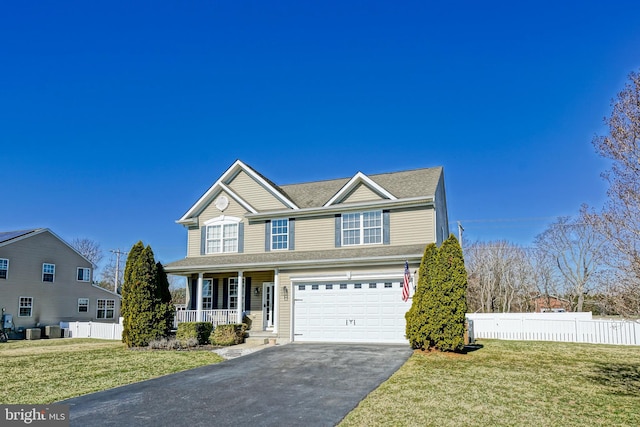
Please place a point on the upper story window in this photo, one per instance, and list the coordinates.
(48, 272)
(4, 268)
(362, 228)
(84, 274)
(279, 234)
(222, 235)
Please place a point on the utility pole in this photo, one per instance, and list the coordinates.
(460, 230)
(118, 253)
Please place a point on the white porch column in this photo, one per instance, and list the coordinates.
(199, 296)
(240, 297)
(276, 298)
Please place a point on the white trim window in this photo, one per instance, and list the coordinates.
(221, 235)
(279, 234)
(25, 306)
(362, 228)
(207, 295)
(4, 268)
(233, 293)
(48, 272)
(83, 305)
(106, 309)
(84, 274)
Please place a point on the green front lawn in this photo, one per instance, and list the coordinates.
(45, 371)
(510, 383)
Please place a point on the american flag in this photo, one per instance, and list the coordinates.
(405, 286)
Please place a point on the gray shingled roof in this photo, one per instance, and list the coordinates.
(282, 258)
(404, 184)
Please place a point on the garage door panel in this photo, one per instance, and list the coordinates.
(364, 313)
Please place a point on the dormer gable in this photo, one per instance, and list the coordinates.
(238, 171)
(359, 187)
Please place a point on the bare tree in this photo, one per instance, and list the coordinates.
(620, 218)
(575, 249)
(545, 275)
(500, 277)
(108, 277)
(88, 249)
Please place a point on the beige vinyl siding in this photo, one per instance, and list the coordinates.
(254, 238)
(193, 241)
(411, 226)
(52, 302)
(361, 193)
(284, 306)
(317, 233)
(254, 193)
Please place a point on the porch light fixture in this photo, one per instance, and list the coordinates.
(256, 291)
(285, 293)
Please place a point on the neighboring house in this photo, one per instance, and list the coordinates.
(550, 303)
(45, 281)
(319, 261)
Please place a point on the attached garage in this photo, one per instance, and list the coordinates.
(367, 312)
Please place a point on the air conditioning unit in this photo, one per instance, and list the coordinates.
(65, 333)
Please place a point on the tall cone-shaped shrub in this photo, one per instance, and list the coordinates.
(132, 257)
(416, 316)
(139, 300)
(164, 309)
(447, 319)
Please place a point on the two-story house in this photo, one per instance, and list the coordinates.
(318, 261)
(45, 281)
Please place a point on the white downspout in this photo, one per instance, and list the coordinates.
(199, 301)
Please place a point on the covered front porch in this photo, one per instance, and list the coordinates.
(226, 298)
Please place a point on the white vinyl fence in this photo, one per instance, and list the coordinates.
(567, 327)
(106, 331)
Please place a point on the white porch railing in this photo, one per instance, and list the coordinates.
(216, 317)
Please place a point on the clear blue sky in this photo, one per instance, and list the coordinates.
(115, 117)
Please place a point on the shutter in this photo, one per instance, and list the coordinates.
(203, 240)
(247, 293)
(267, 236)
(225, 294)
(193, 299)
(292, 234)
(241, 237)
(338, 230)
(386, 235)
(214, 293)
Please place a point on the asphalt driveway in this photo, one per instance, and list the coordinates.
(289, 385)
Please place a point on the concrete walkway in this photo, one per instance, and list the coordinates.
(283, 385)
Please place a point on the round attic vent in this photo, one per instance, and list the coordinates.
(222, 203)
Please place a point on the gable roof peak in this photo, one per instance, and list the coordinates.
(224, 179)
(359, 178)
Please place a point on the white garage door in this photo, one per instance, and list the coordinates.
(371, 312)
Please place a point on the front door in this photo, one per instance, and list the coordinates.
(267, 305)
